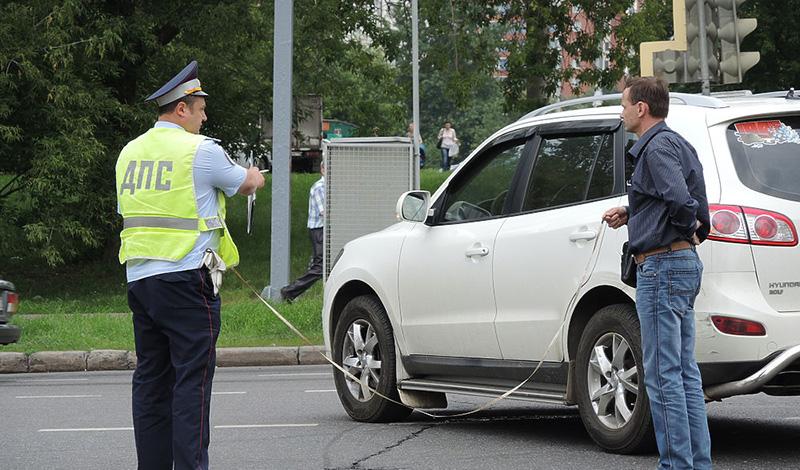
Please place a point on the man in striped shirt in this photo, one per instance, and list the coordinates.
(316, 219)
(668, 216)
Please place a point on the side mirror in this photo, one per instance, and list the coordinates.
(413, 206)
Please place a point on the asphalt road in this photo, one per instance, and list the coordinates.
(290, 418)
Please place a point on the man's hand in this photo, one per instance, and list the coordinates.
(695, 240)
(616, 217)
(254, 180)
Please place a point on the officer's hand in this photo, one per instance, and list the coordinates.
(252, 181)
(616, 217)
(259, 177)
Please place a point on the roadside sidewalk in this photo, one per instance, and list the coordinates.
(112, 359)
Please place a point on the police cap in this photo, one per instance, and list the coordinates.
(183, 84)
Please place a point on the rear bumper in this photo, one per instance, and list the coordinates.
(779, 376)
(9, 333)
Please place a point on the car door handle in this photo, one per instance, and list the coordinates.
(585, 235)
(478, 251)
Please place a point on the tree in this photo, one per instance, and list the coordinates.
(74, 73)
(777, 37)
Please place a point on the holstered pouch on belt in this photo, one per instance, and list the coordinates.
(628, 266)
(216, 267)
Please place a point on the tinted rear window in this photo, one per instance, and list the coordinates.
(766, 154)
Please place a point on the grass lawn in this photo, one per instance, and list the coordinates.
(85, 307)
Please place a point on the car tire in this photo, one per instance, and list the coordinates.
(610, 385)
(362, 340)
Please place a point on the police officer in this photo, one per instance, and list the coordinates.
(171, 188)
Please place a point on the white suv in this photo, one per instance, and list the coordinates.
(508, 264)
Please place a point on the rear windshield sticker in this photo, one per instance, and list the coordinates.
(756, 134)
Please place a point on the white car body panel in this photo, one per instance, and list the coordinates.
(533, 287)
(378, 271)
(447, 302)
(737, 294)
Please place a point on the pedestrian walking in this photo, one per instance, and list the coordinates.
(171, 185)
(447, 142)
(316, 223)
(667, 217)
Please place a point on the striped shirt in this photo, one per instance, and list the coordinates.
(667, 195)
(316, 204)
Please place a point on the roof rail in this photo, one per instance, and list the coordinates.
(731, 93)
(573, 102)
(788, 94)
(685, 98)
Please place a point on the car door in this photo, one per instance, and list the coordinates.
(445, 272)
(543, 255)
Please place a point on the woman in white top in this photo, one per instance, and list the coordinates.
(447, 135)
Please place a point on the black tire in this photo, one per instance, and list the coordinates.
(615, 327)
(364, 312)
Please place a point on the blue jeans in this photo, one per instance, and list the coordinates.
(445, 158)
(667, 285)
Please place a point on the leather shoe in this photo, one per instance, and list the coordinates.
(285, 297)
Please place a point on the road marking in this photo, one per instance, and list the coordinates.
(229, 426)
(30, 381)
(295, 374)
(228, 393)
(85, 429)
(245, 426)
(58, 396)
(319, 391)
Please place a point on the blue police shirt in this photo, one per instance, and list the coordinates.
(668, 193)
(213, 171)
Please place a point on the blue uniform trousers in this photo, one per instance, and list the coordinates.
(176, 322)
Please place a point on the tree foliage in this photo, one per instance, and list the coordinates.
(777, 38)
(74, 73)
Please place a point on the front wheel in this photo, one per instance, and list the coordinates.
(609, 376)
(363, 344)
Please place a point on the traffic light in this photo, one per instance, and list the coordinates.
(680, 60)
(692, 60)
(666, 65)
(682, 65)
(732, 30)
(660, 58)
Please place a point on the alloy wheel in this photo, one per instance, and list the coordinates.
(361, 357)
(613, 380)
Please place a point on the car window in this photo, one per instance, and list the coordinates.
(602, 182)
(483, 193)
(565, 170)
(765, 154)
(630, 139)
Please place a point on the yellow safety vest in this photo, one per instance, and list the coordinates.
(155, 190)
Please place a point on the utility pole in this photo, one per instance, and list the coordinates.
(415, 85)
(280, 246)
(703, 35)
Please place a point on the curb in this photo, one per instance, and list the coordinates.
(112, 359)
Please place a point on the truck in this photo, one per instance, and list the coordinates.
(306, 133)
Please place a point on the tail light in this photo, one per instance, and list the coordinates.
(738, 326)
(12, 302)
(737, 224)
